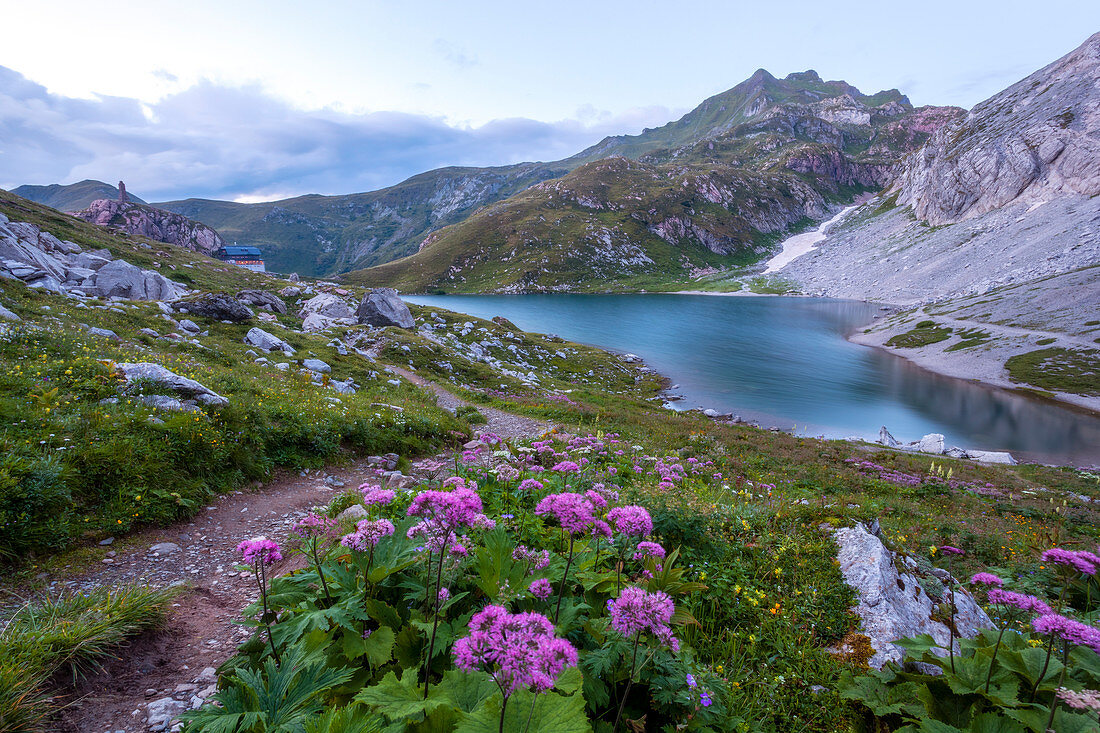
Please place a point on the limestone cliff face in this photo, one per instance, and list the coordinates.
(163, 226)
(1037, 140)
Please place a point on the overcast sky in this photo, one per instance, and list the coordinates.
(250, 100)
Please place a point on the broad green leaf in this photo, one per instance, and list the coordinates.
(882, 699)
(994, 723)
(569, 681)
(400, 699)
(467, 690)
(1034, 718)
(548, 713)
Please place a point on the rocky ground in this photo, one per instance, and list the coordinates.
(166, 672)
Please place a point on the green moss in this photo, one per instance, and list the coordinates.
(922, 335)
(1059, 370)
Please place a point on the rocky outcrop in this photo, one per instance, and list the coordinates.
(41, 260)
(1038, 139)
(382, 307)
(146, 221)
(148, 371)
(893, 604)
(262, 299)
(267, 342)
(218, 306)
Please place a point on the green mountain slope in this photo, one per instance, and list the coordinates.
(716, 188)
(73, 197)
(321, 235)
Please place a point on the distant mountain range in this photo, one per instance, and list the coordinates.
(798, 143)
(73, 197)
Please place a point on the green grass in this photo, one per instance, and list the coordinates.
(925, 333)
(970, 338)
(1058, 370)
(75, 632)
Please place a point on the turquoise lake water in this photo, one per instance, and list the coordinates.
(786, 362)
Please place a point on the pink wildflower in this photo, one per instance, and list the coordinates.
(541, 588)
(636, 611)
(566, 467)
(986, 579)
(530, 484)
(1068, 630)
(368, 533)
(376, 495)
(649, 549)
(596, 498)
(260, 550)
(312, 525)
(631, 520)
(1030, 604)
(518, 650)
(574, 512)
(1082, 562)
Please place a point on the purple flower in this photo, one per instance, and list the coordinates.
(566, 467)
(574, 512)
(540, 588)
(631, 520)
(1030, 604)
(636, 611)
(691, 680)
(376, 495)
(949, 550)
(704, 699)
(368, 533)
(519, 650)
(444, 595)
(1069, 630)
(596, 498)
(312, 525)
(538, 558)
(530, 484)
(649, 549)
(1083, 562)
(601, 528)
(260, 550)
(986, 579)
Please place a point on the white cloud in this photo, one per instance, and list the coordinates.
(242, 143)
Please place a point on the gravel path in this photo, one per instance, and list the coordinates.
(174, 667)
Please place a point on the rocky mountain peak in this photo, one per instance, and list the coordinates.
(163, 226)
(1036, 140)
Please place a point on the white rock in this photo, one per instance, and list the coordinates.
(931, 443)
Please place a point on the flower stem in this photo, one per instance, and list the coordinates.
(629, 682)
(561, 588)
(262, 579)
(320, 573)
(993, 661)
(435, 622)
(1046, 663)
(1061, 679)
(502, 709)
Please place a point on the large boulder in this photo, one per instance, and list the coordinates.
(327, 305)
(991, 456)
(894, 605)
(931, 443)
(267, 342)
(382, 307)
(261, 298)
(218, 306)
(120, 279)
(177, 383)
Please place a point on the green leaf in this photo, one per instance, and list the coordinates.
(551, 714)
(994, 723)
(467, 690)
(569, 681)
(409, 647)
(931, 725)
(1029, 663)
(1035, 717)
(881, 698)
(942, 704)
(400, 699)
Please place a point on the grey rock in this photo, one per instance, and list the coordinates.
(267, 342)
(165, 548)
(7, 315)
(260, 298)
(316, 365)
(282, 366)
(327, 305)
(108, 541)
(931, 443)
(314, 322)
(218, 307)
(886, 439)
(149, 332)
(382, 307)
(189, 326)
(347, 387)
(1038, 139)
(893, 605)
(160, 713)
(293, 277)
(147, 221)
(119, 278)
(989, 456)
(955, 452)
(180, 384)
(354, 513)
(164, 402)
(103, 332)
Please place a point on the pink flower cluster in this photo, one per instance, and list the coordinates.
(260, 551)
(368, 533)
(444, 512)
(540, 588)
(637, 611)
(986, 579)
(313, 525)
(519, 650)
(1082, 700)
(631, 520)
(1028, 604)
(1083, 562)
(530, 484)
(649, 549)
(376, 495)
(538, 558)
(574, 512)
(1068, 630)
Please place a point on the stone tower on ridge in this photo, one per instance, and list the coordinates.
(122, 197)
